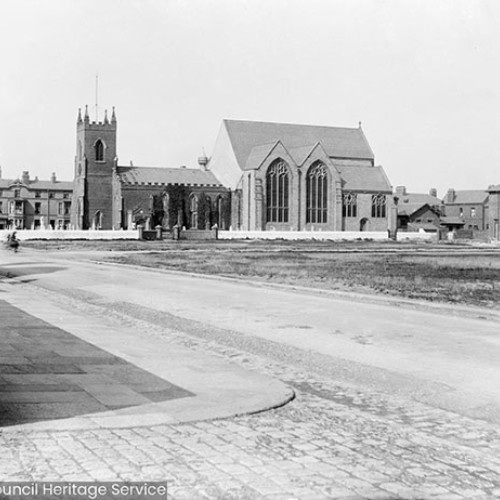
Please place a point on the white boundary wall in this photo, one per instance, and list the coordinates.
(302, 235)
(417, 236)
(68, 234)
(320, 235)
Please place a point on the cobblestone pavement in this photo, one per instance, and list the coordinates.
(333, 441)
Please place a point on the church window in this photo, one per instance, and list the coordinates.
(378, 205)
(193, 210)
(350, 205)
(277, 192)
(220, 207)
(317, 194)
(99, 150)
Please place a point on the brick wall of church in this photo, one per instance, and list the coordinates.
(147, 201)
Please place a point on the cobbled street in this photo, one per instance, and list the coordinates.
(334, 440)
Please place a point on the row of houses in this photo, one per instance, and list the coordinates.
(261, 176)
(467, 212)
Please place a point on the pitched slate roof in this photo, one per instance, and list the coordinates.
(338, 142)
(468, 197)
(455, 221)
(159, 175)
(258, 154)
(35, 184)
(409, 203)
(359, 178)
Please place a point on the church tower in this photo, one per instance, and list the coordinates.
(95, 160)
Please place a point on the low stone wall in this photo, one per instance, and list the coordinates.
(198, 234)
(40, 234)
(303, 235)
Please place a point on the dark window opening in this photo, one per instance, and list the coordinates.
(317, 194)
(277, 192)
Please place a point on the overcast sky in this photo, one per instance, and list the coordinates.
(423, 76)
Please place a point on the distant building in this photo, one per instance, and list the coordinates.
(468, 207)
(27, 203)
(109, 196)
(418, 211)
(301, 178)
(493, 225)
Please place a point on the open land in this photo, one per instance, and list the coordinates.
(448, 273)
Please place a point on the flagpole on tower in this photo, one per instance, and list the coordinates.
(96, 96)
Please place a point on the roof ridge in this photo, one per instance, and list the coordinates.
(228, 120)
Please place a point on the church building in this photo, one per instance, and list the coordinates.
(109, 196)
(301, 178)
(261, 176)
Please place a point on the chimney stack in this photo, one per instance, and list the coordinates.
(26, 177)
(401, 190)
(433, 192)
(450, 195)
(53, 178)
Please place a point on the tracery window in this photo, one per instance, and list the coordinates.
(99, 150)
(378, 205)
(277, 192)
(193, 210)
(350, 205)
(317, 194)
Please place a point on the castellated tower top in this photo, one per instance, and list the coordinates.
(86, 124)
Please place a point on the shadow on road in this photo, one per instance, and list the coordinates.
(8, 271)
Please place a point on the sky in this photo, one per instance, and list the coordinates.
(423, 77)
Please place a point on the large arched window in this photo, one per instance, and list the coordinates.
(317, 194)
(277, 192)
(99, 150)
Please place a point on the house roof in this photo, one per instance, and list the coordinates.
(452, 221)
(468, 197)
(337, 141)
(359, 178)
(409, 203)
(36, 184)
(160, 175)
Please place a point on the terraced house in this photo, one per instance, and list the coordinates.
(27, 203)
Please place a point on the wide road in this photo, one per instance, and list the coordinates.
(393, 401)
(438, 357)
